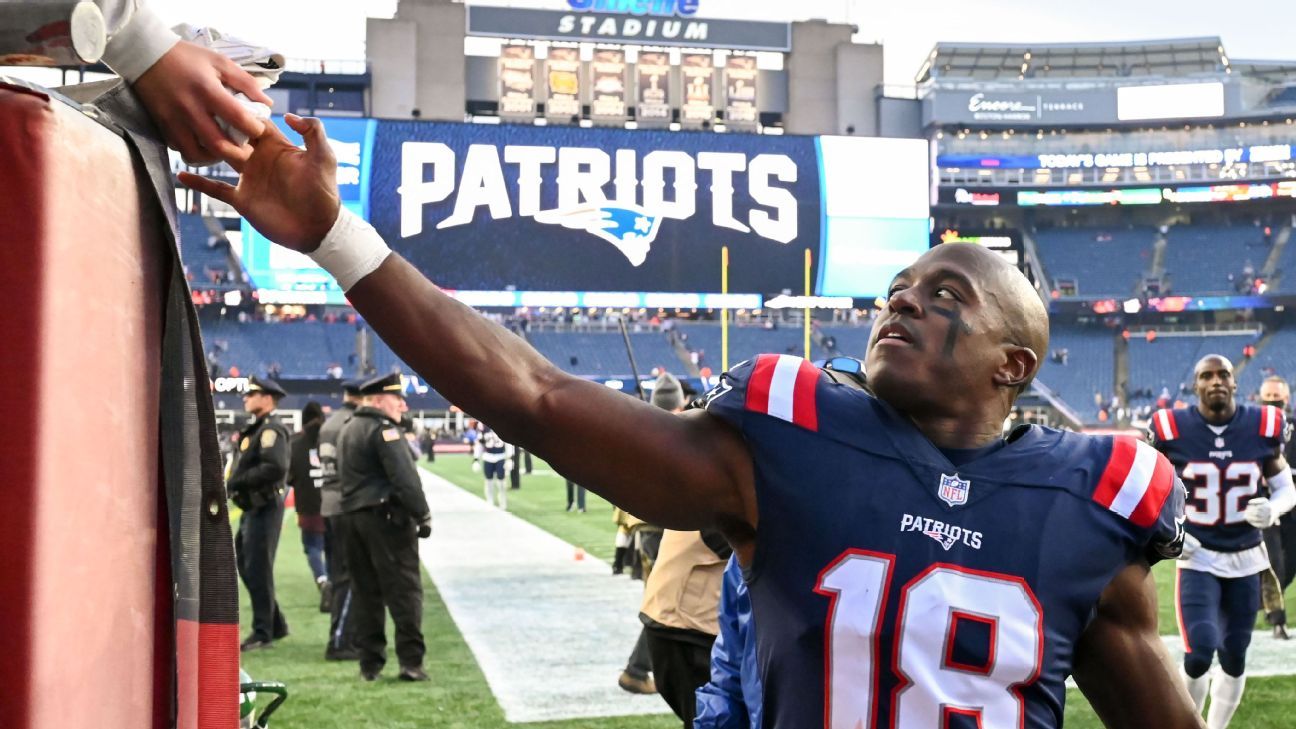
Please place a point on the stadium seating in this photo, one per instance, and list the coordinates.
(851, 341)
(1104, 262)
(1200, 259)
(1168, 362)
(744, 342)
(1277, 355)
(207, 265)
(300, 348)
(600, 353)
(1089, 369)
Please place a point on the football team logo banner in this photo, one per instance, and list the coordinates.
(654, 73)
(492, 208)
(741, 110)
(698, 70)
(608, 86)
(564, 72)
(517, 82)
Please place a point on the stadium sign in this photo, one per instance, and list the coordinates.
(665, 8)
(964, 105)
(659, 29)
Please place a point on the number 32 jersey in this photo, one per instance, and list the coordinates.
(894, 590)
(1222, 466)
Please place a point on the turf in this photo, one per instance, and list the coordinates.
(324, 695)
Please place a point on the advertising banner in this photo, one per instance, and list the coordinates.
(741, 109)
(654, 74)
(608, 86)
(698, 71)
(517, 99)
(563, 70)
(556, 209)
(1011, 108)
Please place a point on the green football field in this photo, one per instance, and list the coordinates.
(324, 695)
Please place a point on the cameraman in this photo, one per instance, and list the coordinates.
(256, 485)
(384, 515)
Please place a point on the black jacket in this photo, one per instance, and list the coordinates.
(378, 466)
(260, 465)
(304, 470)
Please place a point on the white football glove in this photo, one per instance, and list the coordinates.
(508, 465)
(1190, 546)
(1260, 513)
(476, 466)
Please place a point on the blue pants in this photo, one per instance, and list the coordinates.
(313, 543)
(1216, 615)
(493, 470)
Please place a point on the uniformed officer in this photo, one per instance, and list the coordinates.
(256, 485)
(340, 625)
(385, 514)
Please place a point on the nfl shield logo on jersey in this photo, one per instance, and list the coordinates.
(954, 490)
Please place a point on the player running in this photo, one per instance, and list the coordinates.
(909, 566)
(495, 457)
(1222, 450)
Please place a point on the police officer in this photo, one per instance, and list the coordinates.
(340, 626)
(385, 514)
(256, 485)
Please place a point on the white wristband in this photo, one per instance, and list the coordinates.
(351, 250)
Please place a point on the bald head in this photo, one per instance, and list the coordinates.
(1007, 292)
(1215, 387)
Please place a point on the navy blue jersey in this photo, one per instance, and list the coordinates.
(893, 589)
(1222, 466)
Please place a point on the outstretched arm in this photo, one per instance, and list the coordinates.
(1121, 664)
(679, 471)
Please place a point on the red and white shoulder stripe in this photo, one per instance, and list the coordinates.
(1271, 422)
(1163, 422)
(1136, 482)
(784, 386)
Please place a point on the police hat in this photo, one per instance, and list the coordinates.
(269, 387)
(387, 384)
(352, 387)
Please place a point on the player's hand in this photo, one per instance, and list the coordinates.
(476, 467)
(508, 465)
(1260, 513)
(425, 527)
(288, 194)
(186, 88)
(1190, 546)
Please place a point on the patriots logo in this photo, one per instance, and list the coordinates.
(942, 539)
(954, 490)
(628, 227)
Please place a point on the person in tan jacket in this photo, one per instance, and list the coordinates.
(679, 612)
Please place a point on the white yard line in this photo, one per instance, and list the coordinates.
(551, 632)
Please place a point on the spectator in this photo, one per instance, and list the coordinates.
(305, 476)
(679, 613)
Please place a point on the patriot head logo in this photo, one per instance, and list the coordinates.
(954, 490)
(942, 538)
(628, 227)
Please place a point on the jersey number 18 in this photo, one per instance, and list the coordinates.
(933, 685)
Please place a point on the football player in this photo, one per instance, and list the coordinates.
(496, 457)
(1222, 450)
(909, 565)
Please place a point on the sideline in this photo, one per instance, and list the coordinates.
(551, 633)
